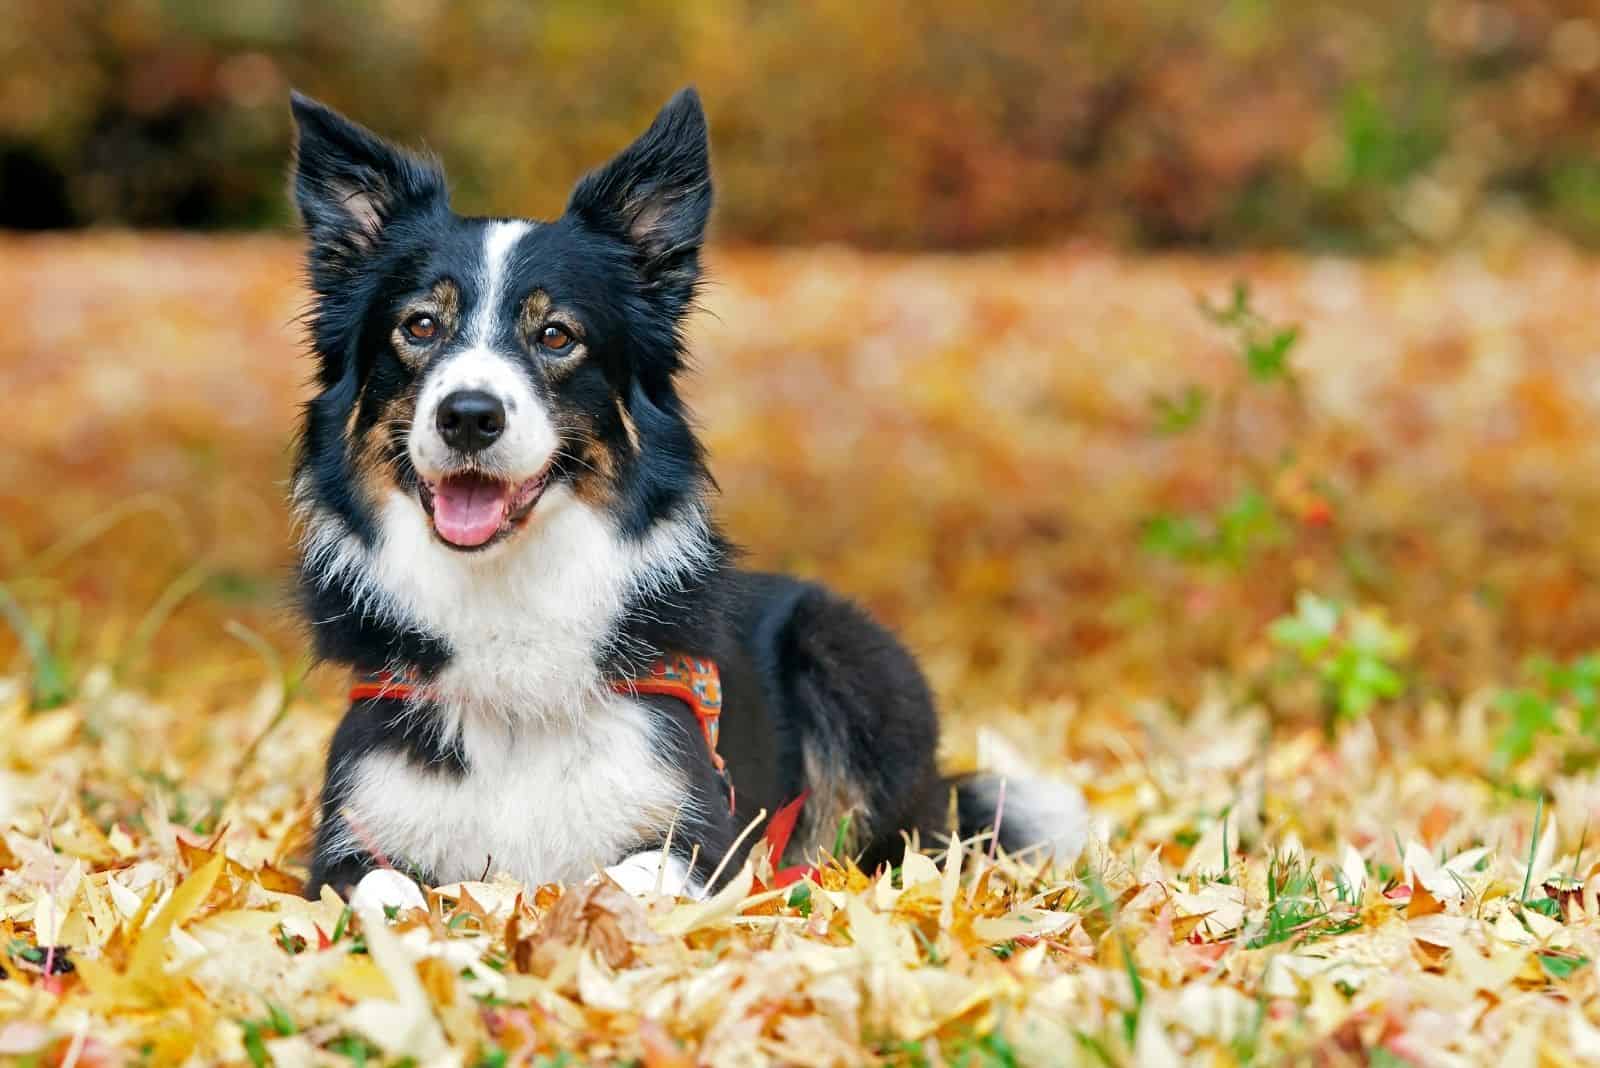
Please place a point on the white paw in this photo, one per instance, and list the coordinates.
(386, 888)
(637, 874)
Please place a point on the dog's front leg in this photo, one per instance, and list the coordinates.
(341, 875)
(335, 861)
(356, 875)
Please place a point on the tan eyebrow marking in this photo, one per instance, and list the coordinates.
(443, 302)
(537, 310)
(534, 312)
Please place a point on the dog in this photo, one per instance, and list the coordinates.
(505, 532)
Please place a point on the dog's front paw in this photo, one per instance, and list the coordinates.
(386, 888)
(638, 874)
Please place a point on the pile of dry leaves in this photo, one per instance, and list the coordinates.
(1425, 925)
(969, 443)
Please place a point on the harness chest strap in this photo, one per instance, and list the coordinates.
(692, 680)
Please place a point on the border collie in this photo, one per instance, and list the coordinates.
(505, 533)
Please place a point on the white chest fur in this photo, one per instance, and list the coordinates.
(540, 801)
(526, 621)
(563, 774)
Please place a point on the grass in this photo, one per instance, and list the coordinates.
(1356, 652)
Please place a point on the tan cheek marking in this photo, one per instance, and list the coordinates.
(595, 481)
(374, 455)
(402, 348)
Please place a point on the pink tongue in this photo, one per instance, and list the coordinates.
(468, 509)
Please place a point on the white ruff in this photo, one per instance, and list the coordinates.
(526, 620)
(563, 775)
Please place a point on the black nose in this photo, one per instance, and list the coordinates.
(470, 420)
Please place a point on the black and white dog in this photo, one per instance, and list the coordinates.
(504, 522)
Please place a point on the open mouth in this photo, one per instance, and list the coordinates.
(469, 510)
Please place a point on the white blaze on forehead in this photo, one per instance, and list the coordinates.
(499, 239)
(529, 438)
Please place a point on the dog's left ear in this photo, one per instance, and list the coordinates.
(656, 195)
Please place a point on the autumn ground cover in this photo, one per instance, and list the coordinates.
(1297, 583)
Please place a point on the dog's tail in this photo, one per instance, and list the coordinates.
(1033, 816)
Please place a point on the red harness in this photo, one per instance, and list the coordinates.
(692, 680)
(689, 679)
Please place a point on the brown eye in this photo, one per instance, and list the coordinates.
(555, 338)
(422, 327)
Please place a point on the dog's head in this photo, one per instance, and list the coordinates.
(473, 365)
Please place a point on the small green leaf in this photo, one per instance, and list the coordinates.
(341, 925)
(1311, 627)
(1560, 965)
(800, 898)
(1531, 714)
(279, 1018)
(1545, 906)
(353, 1049)
(1378, 1057)
(841, 836)
(254, 1047)
(1269, 360)
(1235, 312)
(1178, 413)
(1174, 536)
(492, 1057)
(1248, 522)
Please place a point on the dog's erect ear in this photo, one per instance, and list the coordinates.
(656, 195)
(350, 183)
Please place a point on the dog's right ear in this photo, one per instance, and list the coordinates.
(350, 184)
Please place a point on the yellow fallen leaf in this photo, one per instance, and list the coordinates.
(47, 917)
(358, 977)
(1020, 924)
(694, 915)
(404, 1025)
(952, 883)
(144, 980)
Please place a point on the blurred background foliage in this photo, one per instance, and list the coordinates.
(1346, 124)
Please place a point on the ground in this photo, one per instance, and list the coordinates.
(1297, 584)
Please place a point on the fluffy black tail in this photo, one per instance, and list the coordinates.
(1031, 814)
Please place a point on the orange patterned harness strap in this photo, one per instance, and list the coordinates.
(690, 679)
(696, 683)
